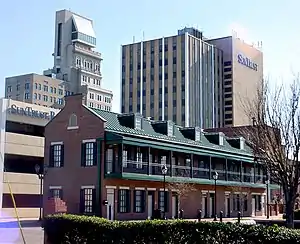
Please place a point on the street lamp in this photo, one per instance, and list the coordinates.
(41, 174)
(215, 177)
(268, 212)
(164, 171)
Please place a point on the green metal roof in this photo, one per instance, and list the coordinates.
(147, 132)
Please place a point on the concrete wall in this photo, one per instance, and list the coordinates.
(246, 81)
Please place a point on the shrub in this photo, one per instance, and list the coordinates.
(73, 229)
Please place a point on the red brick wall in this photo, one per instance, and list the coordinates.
(72, 176)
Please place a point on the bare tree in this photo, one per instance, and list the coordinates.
(182, 187)
(275, 138)
(243, 192)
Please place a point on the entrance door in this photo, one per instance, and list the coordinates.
(174, 207)
(228, 207)
(211, 205)
(110, 204)
(150, 204)
(253, 206)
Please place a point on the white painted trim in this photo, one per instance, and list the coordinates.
(162, 189)
(55, 187)
(151, 189)
(110, 187)
(227, 192)
(255, 193)
(124, 187)
(93, 112)
(243, 193)
(211, 191)
(110, 191)
(204, 191)
(87, 187)
(88, 140)
(140, 188)
(57, 143)
(72, 127)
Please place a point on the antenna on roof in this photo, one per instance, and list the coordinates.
(143, 35)
(133, 39)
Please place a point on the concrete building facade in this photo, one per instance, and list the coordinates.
(76, 61)
(35, 89)
(110, 165)
(243, 77)
(176, 78)
(21, 148)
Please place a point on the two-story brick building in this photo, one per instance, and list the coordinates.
(110, 164)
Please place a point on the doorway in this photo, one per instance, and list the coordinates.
(110, 204)
(174, 206)
(150, 204)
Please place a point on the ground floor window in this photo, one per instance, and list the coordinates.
(124, 201)
(258, 199)
(163, 201)
(139, 201)
(55, 193)
(87, 200)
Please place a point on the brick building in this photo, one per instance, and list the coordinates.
(109, 164)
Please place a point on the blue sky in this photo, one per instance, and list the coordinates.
(27, 30)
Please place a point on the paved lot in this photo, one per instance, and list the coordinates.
(10, 233)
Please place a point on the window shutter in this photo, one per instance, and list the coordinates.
(159, 203)
(61, 194)
(94, 200)
(51, 156)
(95, 153)
(134, 201)
(128, 202)
(62, 156)
(83, 154)
(143, 201)
(166, 201)
(119, 200)
(81, 203)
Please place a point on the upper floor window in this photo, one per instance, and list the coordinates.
(60, 92)
(56, 155)
(51, 89)
(40, 87)
(36, 85)
(45, 88)
(87, 200)
(26, 95)
(18, 87)
(89, 154)
(73, 120)
(9, 89)
(27, 85)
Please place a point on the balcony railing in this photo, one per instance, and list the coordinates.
(141, 167)
(86, 50)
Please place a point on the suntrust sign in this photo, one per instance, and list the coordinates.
(30, 112)
(243, 60)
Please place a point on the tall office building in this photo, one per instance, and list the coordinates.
(36, 89)
(243, 76)
(76, 61)
(174, 78)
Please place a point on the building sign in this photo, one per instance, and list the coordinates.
(246, 62)
(29, 112)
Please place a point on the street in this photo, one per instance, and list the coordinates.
(10, 233)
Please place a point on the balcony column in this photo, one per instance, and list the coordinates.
(241, 172)
(191, 166)
(170, 162)
(120, 157)
(226, 169)
(254, 171)
(210, 168)
(149, 163)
